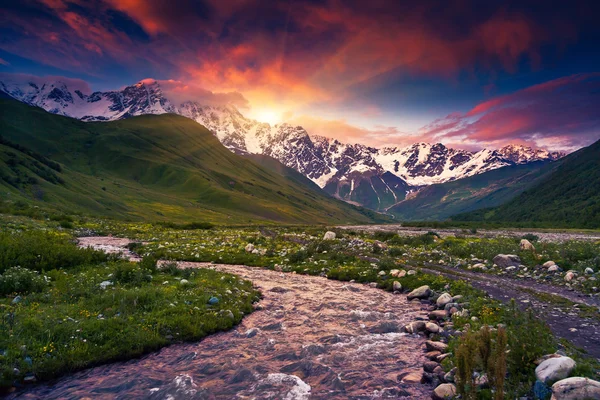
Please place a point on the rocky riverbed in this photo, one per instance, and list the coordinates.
(309, 337)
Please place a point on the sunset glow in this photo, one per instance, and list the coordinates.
(387, 73)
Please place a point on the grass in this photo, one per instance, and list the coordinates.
(152, 168)
(87, 310)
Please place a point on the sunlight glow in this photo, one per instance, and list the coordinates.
(268, 116)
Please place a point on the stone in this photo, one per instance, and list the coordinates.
(252, 332)
(105, 284)
(396, 286)
(553, 268)
(411, 272)
(394, 272)
(548, 264)
(29, 378)
(554, 369)
(329, 235)
(569, 276)
(380, 245)
(415, 326)
(589, 271)
(479, 266)
(575, 389)
(413, 377)
(249, 248)
(422, 292)
(401, 274)
(444, 391)
(429, 366)
(526, 245)
(438, 314)
(432, 328)
(507, 260)
(16, 300)
(432, 355)
(184, 282)
(444, 299)
(436, 346)
(213, 300)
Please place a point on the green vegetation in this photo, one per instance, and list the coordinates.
(153, 168)
(568, 197)
(66, 308)
(492, 188)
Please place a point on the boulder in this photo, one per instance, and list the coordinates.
(249, 248)
(553, 268)
(576, 389)
(422, 292)
(479, 266)
(444, 391)
(430, 366)
(507, 260)
(436, 346)
(396, 286)
(526, 245)
(548, 264)
(411, 272)
(415, 326)
(432, 355)
(413, 377)
(444, 299)
(394, 272)
(554, 369)
(589, 271)
(329, 235)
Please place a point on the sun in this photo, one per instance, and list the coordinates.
(268, 116)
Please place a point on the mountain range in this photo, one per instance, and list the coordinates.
(375, 178)
(150, 167)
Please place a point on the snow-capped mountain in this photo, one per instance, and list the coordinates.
(375, 178)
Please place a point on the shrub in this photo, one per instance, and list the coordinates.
(131, 273)
(43, 251)
(531, 237)
(21, 281)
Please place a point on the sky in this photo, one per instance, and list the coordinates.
(466, 73)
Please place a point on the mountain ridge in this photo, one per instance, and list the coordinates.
(382, 176)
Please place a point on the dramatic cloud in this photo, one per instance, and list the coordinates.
(179, 92)
(17, 79)
(559, 114)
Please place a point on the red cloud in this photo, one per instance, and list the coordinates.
(561, 112)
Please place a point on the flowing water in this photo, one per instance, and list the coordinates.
(309, 338)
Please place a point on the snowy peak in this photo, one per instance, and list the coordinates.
(376, 178)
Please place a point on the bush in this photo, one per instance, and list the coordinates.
(43, 251)
(131, 273)
(20, 280)
(531, 237)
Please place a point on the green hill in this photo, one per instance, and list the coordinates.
(567, 197)
(492, 188)
(153, 167)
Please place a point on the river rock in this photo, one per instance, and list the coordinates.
(554, 369)
(548, 264)
(415, 326)
(438, 314)
(432, 355)
(432, 328)
(396, 286)
(553, 268)
(444, 299)
(413, 377)
(436, 346)
(411, 272)
(576, 389)
(444, 391)
(507, 260)
(394, 272)
(479, 266)
(430, 366)
(329, 235)
(526, 245)
(249, 248)
(422, 292)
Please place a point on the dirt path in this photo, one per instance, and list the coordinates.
(564, 320)
(310, 338)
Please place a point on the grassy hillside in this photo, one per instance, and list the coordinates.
(568, 197)
(492, 188)
(150, 167)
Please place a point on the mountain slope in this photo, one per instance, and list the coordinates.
(152, 166)
(489, 189)
(381, 177)
(568, 197)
